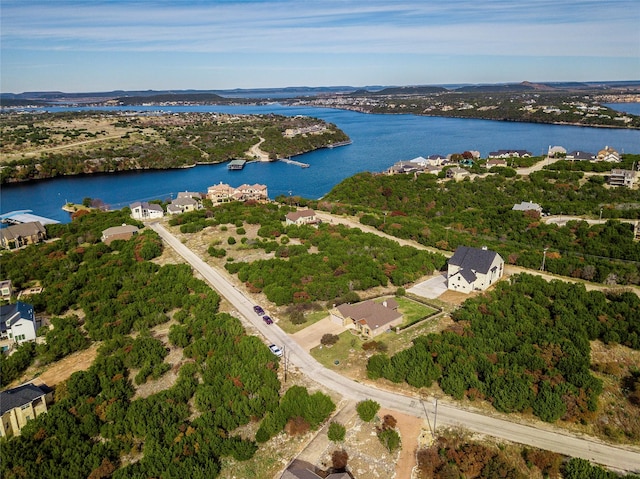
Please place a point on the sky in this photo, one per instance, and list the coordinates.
(104, 45)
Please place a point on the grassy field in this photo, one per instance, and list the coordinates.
(288, 327)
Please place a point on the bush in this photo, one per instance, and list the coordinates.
(329, 339)
(389, 439)
(367, 409)
(297, 317)
(336, 432)
(231, 240)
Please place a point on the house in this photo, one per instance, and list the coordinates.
(472, 269)
(420, 161)
(436, 160)
(6, 289)
(22, 234)
(404, 167)
(301, 217)
(20, 405)
(17, 324)
(190, 194)
(369, 318)
(556, 151)
(620, 177)
(527, 206)
(495, 162)
(510, 154)
(223, 193)
(578, 155)
(141, 210)
(608, 154)
(182, 205)
(457, 173)
(124, 232)
(255, 192)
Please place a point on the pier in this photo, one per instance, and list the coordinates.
(294, 162)
(236, 164)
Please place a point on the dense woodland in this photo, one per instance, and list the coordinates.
(312, 264)
(95, 428)
(523, 347)
(150, 142)
(447, 214)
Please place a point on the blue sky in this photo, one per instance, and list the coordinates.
(82, 46)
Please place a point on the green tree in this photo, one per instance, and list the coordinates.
(367, 409)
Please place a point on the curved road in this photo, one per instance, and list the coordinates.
(552, 439)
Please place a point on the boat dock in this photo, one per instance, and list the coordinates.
(294, 162)
(236, 164)
(25, 216)
(340, 143)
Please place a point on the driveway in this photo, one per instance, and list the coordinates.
(310, 337)
(431, 288)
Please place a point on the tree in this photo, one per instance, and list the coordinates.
(367, 409)
(336, 432)
(329, 339)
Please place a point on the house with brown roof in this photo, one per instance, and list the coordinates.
(23, 234)
(301, 217)
(223, 193)
(495, 162)
(369, 318)
(124, 232)
(456, 173)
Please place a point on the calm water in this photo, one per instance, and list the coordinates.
(378, 142)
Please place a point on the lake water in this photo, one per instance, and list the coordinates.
(378, 142)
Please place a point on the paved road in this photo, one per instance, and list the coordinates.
(545, 437)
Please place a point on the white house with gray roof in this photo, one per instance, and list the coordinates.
(473, 269)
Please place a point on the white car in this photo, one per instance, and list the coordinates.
(275, 350)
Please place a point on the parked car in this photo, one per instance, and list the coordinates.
(267, 319)
(275, 350)
(259, 311)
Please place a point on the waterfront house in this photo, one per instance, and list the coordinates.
(420, 161)
(190, 194)
(21, 404)
(556, 151)
(141, 210)
(402, 167)
(255, 192)
(301, 217)
(619, 177)
(369, 318)
(577, 155)
(527, 206)
(510, 154)
(124, 232)
(608, 154)
(436, 160)
(17, 324)
(473, 269)
(223, 193)
(23, 234)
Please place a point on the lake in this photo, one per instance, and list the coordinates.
(378, 142)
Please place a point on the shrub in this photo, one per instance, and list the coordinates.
(339, 460)
(231, 240)
(329, 339)
(336, 432)
(297, 317)
(367, 409)
(389, 439)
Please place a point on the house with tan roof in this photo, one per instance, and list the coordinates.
(608, 154)
(301, 217)
(369, 318)
(23, 234)
(223, 193)
(124, 232)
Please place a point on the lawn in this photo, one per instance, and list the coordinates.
(313, 317)
(327, 355)
(411, 310)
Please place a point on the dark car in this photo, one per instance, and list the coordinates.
(259, 311)
(267, 319)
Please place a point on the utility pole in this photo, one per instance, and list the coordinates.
(600, 214)
(544, 257)
(286, 363)
(435, 417)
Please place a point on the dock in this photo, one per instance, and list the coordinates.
(236, 164)
(25, 216)
(340, 143)
(294, 162)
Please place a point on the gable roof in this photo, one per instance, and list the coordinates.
(474, 259)
(373, 314)
(19, 396)
(23, 230)
(119, 230)
(294, 215)
(15, 311)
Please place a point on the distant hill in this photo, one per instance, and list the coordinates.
(172, 97)
(404, 90)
